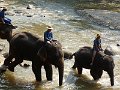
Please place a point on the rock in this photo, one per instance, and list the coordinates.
(29, 15)
(109, 51)
(118, 44)
(29, 6)
(24, 65)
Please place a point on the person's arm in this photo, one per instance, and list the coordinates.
(51, 36)
(100, 44)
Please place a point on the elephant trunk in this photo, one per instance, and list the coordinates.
(61, 72)
(111, 75)
(112, 81)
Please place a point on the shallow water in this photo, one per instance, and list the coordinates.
(72, 30)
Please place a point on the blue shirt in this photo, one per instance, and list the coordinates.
(48, 36)
(6, 20)
(97, 45)
(2, 14)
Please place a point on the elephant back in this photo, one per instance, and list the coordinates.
(56, 43)
(25, 45)
(84, 51)
(83, 56)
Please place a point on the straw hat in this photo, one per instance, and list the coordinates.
(4, 9)
(98, 35)
(49, 28)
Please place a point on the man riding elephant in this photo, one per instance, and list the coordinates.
(96, 47)
(4, 20)
(101, 62)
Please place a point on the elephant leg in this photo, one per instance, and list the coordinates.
(36, 68)
(49, 72)
(79, 70)
(14, 64)
(111, 75)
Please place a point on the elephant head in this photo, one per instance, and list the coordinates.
(6, 31)
(52, 53)
(103, 63)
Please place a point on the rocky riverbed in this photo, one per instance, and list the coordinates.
(103, 18)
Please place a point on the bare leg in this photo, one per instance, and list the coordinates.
(94, 53)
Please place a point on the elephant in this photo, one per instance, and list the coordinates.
(26, 46)
(83, 58)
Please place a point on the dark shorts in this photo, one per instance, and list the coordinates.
(7, 20)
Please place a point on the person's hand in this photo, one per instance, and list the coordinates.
(48, 42)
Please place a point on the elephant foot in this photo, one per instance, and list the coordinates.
(38, 80)
(11, 69)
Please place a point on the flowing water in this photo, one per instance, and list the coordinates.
(72, 30)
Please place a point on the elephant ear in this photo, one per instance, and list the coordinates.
(42, 53)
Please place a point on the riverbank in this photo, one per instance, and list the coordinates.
(104, 18)
(98, 6)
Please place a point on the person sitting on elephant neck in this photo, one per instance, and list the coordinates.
(5, 20)
(96, 47)
(48, 35)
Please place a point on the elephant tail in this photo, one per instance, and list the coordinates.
(72, 56)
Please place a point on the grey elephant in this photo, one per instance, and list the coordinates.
(26, 46)
(101, 62)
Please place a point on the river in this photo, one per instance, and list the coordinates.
(73, 29)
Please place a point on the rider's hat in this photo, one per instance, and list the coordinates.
(49, 27)
(4, 9)
(98, 36)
